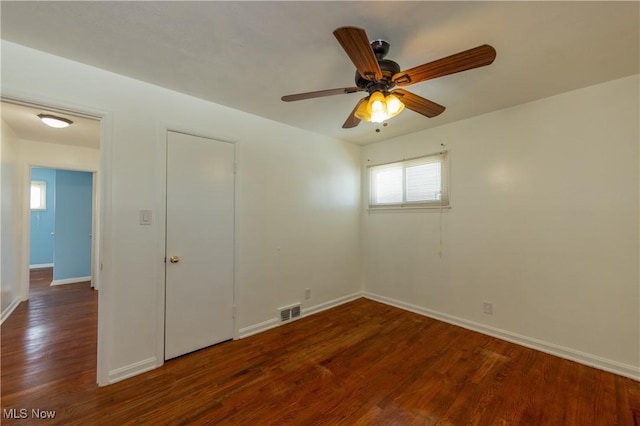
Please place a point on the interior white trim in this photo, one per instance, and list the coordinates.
(330, 304)
(71, 280)
(257, 328)
(19, 99)
(41, 265)
(595, 361)
(132, 370)
(274, 322)
(9, 309)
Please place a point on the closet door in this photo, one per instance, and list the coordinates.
(199, 243)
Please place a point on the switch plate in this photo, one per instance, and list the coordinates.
(145, 217)
(487, 308)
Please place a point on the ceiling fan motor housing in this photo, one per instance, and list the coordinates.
(388, 67)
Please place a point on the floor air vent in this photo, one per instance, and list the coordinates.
(285, 315)
(289, 313)
(295, 311)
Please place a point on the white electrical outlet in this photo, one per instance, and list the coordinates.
(487, 308)
(307, 294)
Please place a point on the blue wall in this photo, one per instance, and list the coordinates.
(43, 222)
(72, 247)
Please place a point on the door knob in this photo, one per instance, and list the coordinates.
(174, 259)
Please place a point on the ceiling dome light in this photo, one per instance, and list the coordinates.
(54, 121)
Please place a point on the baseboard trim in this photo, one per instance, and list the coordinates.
(132, 370)
(330, 304)
(70, 280)
(9, 309)
(257, 328)
(272, 323)
(595, 361)
(41, 265)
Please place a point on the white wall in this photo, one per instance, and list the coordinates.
(543, 224)
(11, 221)
(298, 201)
(56, 156)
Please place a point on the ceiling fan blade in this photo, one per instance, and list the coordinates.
(469, 59)
(320, 94)
(353, 121)
(355, 43)
(419, 104)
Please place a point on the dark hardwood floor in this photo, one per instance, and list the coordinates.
(358, 364)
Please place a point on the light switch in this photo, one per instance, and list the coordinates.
(145, 217)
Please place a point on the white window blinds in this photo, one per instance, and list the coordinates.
(417, 182)
(387, 184)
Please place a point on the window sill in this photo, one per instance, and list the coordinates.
(407, 207)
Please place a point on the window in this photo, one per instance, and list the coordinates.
(419, 182)
(38, 195)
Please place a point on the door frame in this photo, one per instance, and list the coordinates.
(163, 136)
(102, 217)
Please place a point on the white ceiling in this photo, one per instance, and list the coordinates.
(24, 121)
(246, 55)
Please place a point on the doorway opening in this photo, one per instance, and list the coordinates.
(62, 204)
(74, 155)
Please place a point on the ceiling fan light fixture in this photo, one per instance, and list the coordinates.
(378, 117)
(55, 121)
(362, 113)
(377, 104)
(379, 108)
(394, 105)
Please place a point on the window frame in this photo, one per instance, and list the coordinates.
(43, 196)
(442, 157)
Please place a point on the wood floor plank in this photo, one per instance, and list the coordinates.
(362, 363)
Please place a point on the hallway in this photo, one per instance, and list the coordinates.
(49, 339)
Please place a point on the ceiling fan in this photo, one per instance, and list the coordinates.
(378, 77)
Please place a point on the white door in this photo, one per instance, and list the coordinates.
(199, 246)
